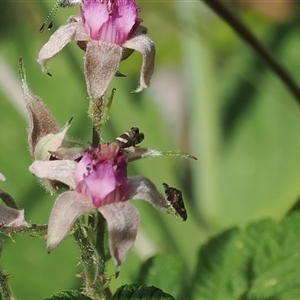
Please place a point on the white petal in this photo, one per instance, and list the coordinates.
(59, 170)
(143, 44)
(41, 121)
(101, 64)
(143, 188)
(2, 177)
(60, 38)
(49, 142)
(10, 217)
(123, 222)
(133, 153)
(67, 208)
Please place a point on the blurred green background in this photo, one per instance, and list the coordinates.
(210, 96)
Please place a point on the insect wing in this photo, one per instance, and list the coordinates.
(174, 197)
(131, 137)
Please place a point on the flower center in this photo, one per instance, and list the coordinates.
(101, 175)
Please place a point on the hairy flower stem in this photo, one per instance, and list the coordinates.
(100, 243)
(35, 230)
(95, 112)
(95, 137)
(245, 34)
(99, 113)
(90, 261)
(5, 293)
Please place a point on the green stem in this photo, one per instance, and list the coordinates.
(5, 292)
(35, 230)
(245, 34)
(94, 279)
(100, 243)
(95, 137)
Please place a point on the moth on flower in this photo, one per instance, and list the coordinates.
(99, 182)
(108, 31)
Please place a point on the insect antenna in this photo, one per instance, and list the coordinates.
(51, 15)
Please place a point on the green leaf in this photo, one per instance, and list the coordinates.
(140, 292)
(222, 266)
(165, 272)
(276, 265)
(68, 295)
(259, 262)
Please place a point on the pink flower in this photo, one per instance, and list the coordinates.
(99, 182)
(109, 31)
(110, 21)
(101, 175)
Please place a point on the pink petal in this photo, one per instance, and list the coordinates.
(143, 44)
(144, 189)
(103, 179)
(99, 183)
(101, 64)
(10, 217)
(67, 208)
(124, 18)
(109, 22)
(123, 222)
(108, 33)
(94, 14)
(58, 170)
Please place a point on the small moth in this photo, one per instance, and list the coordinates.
(174, 197)
(131, 137)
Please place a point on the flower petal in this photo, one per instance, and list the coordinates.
(58, 170)
(41, 121)
(124, 18)
(110, 22)
(101, 174)
(94, 13)
(2, 177)
(8, 199)
(49, 143)
(143, 188)
(74, 30)
(143, 44)
(123, 222)
(67, 208)
(101, 63)
(134, 153)
(10, 217)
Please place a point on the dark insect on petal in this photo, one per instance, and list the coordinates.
(174, 197)
(131, 137)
